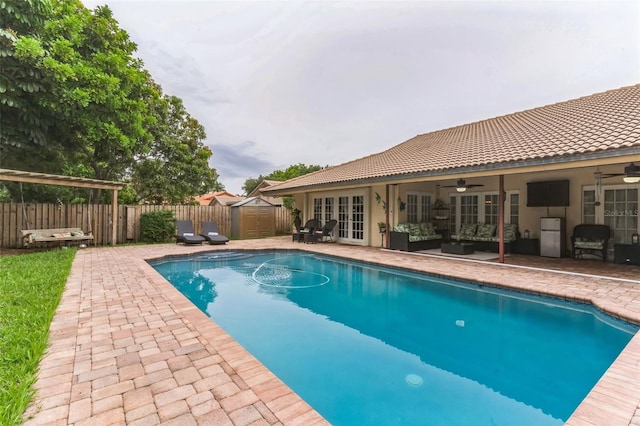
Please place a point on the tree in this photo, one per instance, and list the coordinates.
(100, 91)
(23, 123)
(252, 183)
(290, 172)
(177, 167)
(75, 101)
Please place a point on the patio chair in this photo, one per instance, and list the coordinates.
(186, 234)
(309, 227)
(323, 234)
(211, 234)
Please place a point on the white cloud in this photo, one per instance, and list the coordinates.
(327, 82)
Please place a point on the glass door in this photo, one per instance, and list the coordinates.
(351, 218)
(621, 213)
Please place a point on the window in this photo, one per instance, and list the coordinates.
(412, 208)
(589, 206)
(343, 217)
(453, 227)
(621, 213)
(317, 209)
(491, 209)
(418, 207)
(468, 209)
(328, 209)
(618, 210)
(323, 209)
(514, 207)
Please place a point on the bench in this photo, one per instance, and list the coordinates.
(590, 238)
(31, 236)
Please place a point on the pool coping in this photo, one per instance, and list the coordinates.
(126, 345)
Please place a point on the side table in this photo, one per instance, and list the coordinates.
(626, 254)
(528, 246)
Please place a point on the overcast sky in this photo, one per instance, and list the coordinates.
(281, 83)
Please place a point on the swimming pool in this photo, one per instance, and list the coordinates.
(371, 345)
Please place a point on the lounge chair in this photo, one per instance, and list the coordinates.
(210, 233)
(323, 234)
(186, 234)
(308, 228)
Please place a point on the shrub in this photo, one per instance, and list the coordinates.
(158, 226)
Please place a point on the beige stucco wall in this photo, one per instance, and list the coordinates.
(529, 217)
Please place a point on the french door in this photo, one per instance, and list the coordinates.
(351, 218)
(621, 213)
(619, 210)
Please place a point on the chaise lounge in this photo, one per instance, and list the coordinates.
(211, 234)
(186, 234)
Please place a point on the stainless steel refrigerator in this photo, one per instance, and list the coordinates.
(552, 236)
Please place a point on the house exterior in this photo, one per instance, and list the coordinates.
(208, 199)
(583, 146)
(266, 183)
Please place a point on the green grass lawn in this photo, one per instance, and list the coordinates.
(30, 289)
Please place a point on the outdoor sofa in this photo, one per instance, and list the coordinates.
(414, 237)
(485, 238)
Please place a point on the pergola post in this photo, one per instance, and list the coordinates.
(114, 217)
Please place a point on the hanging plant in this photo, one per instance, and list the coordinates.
(439, 205)
(402, 204)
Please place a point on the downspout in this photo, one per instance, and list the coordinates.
(501, 201)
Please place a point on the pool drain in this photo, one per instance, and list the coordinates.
(414, 380)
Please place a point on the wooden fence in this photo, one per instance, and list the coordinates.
(97, 218)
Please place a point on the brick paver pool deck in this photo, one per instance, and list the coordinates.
(127, 348)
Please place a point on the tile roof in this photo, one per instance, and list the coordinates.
(206, 199)
(605, 122)
(226, 200)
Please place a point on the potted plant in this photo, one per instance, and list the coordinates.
(297, 220)
(382, 227)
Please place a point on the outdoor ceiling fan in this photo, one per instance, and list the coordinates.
(631, 174)
(461, 185)
(599, 174)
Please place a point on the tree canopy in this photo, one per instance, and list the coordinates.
(75, 101)
(290, 172)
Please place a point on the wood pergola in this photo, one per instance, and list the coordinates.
(76, 182)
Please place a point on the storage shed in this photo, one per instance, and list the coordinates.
(253, 218)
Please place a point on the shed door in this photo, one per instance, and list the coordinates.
(258, 222)
(250, 222)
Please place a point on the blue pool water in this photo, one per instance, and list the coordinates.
(368, 345)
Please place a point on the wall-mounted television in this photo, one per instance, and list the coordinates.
(551, 193)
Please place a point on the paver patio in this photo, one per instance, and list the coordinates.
(127, 348)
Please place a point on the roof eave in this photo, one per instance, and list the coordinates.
(513, 167)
